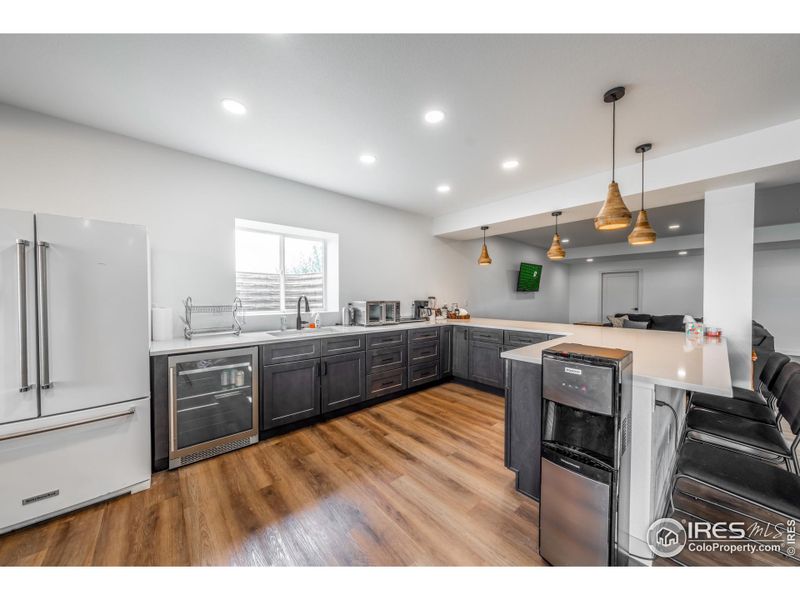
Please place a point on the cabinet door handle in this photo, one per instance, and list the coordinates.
(325, 368)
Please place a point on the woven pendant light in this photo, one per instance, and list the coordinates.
(556, 250)
(614, 214)
(642, 233)
(484, 259)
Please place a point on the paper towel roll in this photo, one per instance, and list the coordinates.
(162, 323)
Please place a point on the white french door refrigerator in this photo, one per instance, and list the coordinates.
(74, 382)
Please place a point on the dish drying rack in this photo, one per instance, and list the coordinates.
(234, 310)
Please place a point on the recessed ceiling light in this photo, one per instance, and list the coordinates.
(367, 159)
(443, 189)
(233, 106)
(675, 226)
(510, 164)
(565, 241)
(434, 116)
(683, 253)
(589, 260)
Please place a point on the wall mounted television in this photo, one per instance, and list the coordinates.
(529, 277)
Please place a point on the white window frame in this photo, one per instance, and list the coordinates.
(330, 261)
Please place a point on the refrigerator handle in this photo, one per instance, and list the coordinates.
(22, 313)
(44, 359)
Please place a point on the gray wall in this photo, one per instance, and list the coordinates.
(491, 290)
(668, 286)
(189, 205)
(776, 296)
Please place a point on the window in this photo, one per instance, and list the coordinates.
(276, 264)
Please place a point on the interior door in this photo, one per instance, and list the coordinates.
(18, 399)
(93, 313)
(620, 293)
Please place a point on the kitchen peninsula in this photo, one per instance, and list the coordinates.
(500, 354)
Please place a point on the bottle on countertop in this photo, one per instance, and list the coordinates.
(317, 321)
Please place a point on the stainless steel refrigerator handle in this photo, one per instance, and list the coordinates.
(20, 434)
(44, 359)
(22, 314)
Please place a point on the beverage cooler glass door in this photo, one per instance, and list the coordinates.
(213, 399)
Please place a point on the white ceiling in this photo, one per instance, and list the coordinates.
(316, 102)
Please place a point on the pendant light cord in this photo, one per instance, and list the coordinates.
(642, 180)
(613, 138)
(556, 224)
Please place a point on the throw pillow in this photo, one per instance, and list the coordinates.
(617, 321)
(628, 324)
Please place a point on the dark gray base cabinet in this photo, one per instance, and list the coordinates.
(446, 350)
(523, 424)
(485, 364)
(289, 392)
(343, 380)
(460, 352)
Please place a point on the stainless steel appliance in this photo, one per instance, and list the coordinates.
(376, 312)
(348, 314)
(421, 309)
(211, 404)
(586, 393)
(74, 378)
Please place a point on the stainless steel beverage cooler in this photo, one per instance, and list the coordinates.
(586, 404)
(213, 403)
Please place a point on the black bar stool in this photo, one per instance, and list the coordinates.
(763, 413)
(760, 395)
(760, 440)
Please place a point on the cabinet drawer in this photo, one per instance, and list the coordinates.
(423, 351)
(289, 351)
(343, 344)
(386, 359)
(423, 373)
(493, 336)
(523, 338)
(380, 384)
(384, 339)
(420, 335)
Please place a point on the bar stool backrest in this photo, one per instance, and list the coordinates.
(789, 405)
(785, 375)
(772, 368)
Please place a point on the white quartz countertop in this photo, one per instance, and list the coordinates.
(659, 357)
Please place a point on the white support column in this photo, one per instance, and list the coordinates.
(728, 273)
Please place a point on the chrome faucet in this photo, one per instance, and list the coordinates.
(300, 321)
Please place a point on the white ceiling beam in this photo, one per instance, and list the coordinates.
(771, 234)
(671, 179)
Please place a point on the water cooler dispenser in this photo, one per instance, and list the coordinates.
(585, 469)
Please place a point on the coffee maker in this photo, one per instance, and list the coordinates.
(424, 309)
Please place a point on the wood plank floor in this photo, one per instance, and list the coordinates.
(415, 481)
